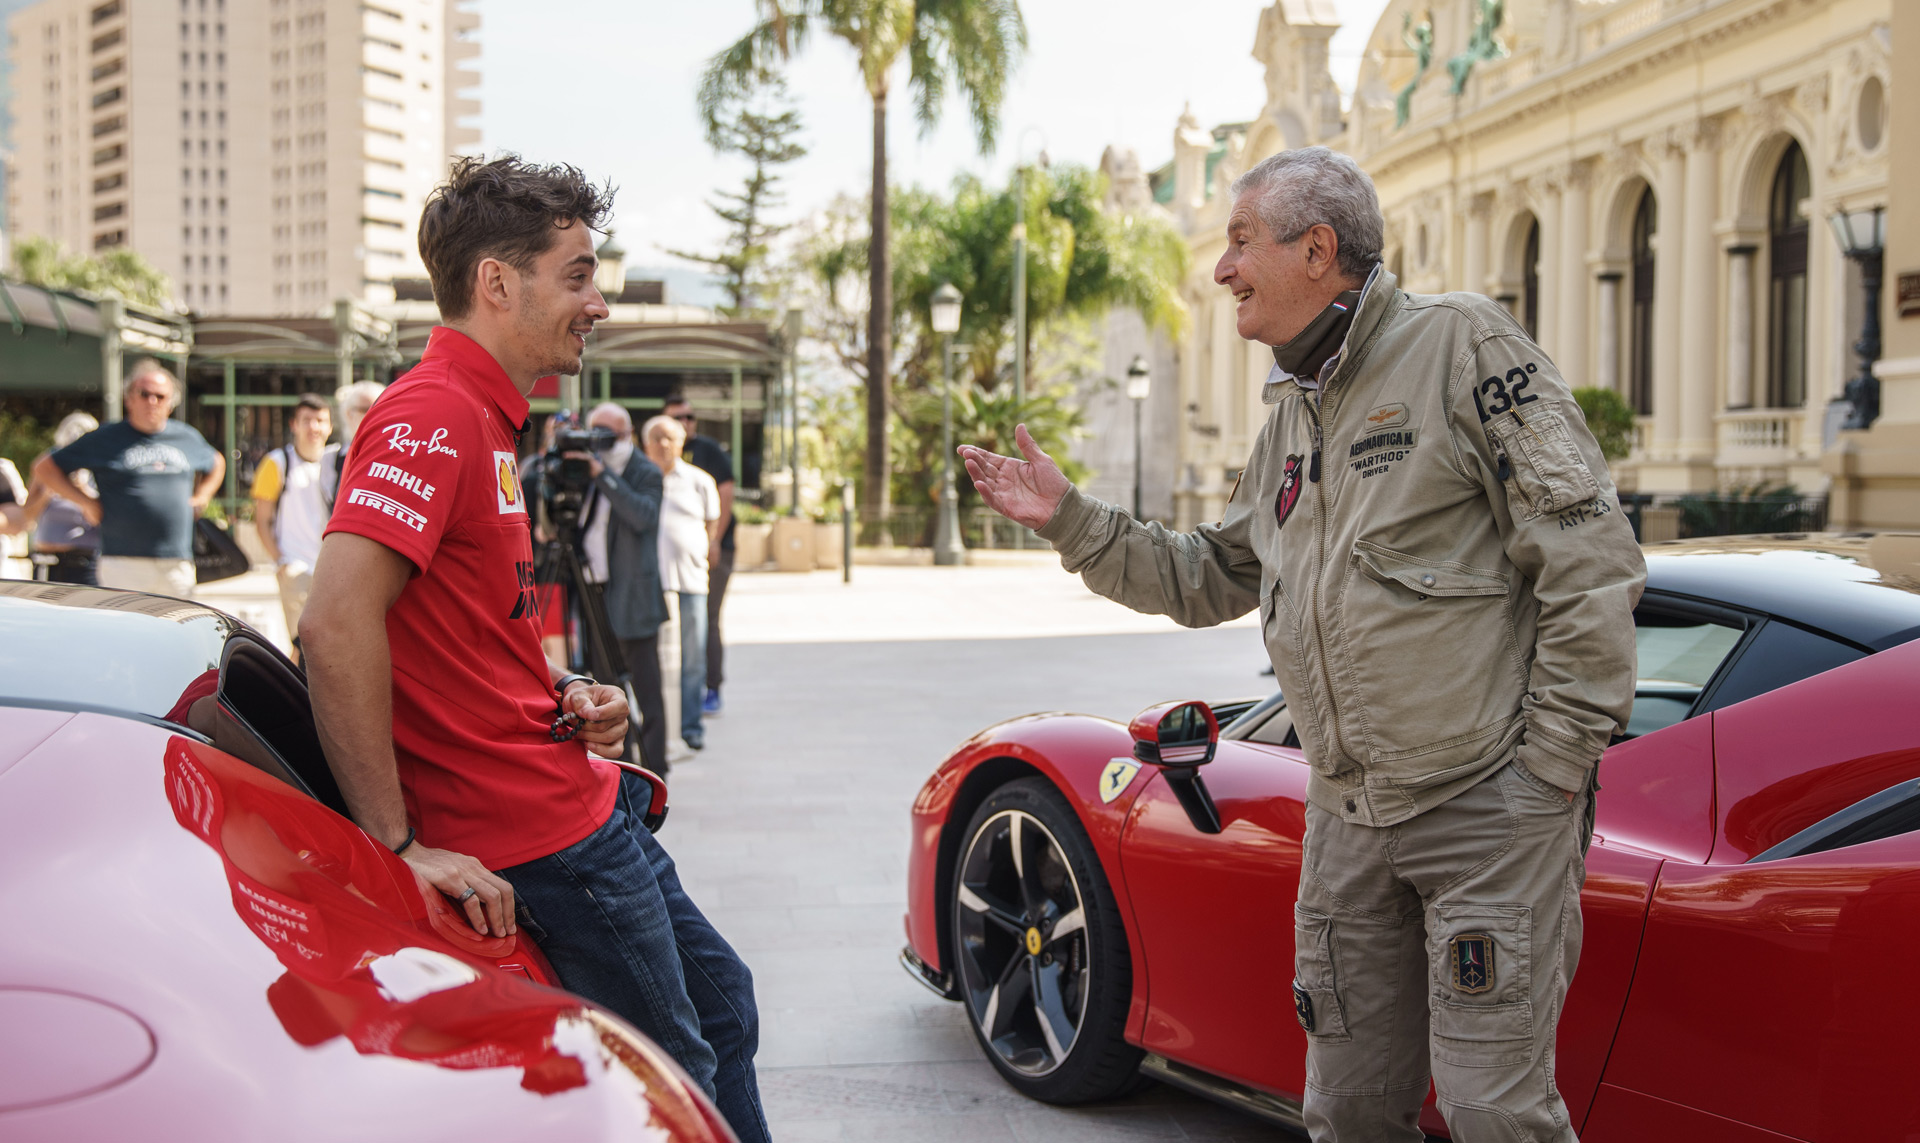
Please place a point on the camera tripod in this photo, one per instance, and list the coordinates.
(597, 650)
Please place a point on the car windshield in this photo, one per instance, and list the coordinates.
(86, 648)
(1678, 655)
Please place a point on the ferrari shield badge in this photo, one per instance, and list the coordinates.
(1115, 779)
(1471, 957)
(1302, 1007)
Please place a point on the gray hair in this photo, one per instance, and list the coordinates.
(618, 414)
(666, 424)
(72, 427)
(1301, 189)
(359, 393)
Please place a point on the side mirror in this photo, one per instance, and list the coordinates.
(1180, 738)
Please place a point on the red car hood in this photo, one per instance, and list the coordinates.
(193, 950)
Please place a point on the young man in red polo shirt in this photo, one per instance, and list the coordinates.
(422, 639)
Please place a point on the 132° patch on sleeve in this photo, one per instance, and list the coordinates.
(1470, 956)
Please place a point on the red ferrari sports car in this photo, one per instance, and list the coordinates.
(199, 945)
(1111, 901)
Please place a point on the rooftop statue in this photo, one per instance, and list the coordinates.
(1419, 38)
(1483, 45)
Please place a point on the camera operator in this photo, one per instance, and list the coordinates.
(619, 548)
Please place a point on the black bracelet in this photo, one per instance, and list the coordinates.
(402, 847)
(565, 681)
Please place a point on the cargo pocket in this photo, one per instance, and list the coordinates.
(1548, 473)
(1398, 612)
(1316, 997)
(1482, 962)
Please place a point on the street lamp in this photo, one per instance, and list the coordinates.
(1862, 235)
(610, 276)
(1139, 381)
(948, 550)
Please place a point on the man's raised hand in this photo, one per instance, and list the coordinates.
(1024, 491)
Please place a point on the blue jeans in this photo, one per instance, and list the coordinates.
(609, 913)
(693, 660)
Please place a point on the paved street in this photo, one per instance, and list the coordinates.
(791, 828)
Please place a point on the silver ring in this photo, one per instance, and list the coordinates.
(462, 898)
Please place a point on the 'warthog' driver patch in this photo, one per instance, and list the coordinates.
(1471, 958)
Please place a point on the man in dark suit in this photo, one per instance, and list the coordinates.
(619, 538)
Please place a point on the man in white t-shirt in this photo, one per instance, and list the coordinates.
(290, 507)
(689, 528)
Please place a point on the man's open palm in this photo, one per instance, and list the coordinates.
(1024, 491)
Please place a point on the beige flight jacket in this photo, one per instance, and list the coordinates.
(1448, 587)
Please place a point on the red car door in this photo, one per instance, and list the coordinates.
(1778, 997)
(1215, 911)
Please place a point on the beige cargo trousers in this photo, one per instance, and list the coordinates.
(1442, 947)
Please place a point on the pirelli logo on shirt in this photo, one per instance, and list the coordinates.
(506, 480)
(387, 506)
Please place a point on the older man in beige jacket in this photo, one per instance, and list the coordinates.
(1446, 587)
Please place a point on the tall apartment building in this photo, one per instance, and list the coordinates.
(269, 155)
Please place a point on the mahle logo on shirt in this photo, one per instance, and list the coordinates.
(506, 481)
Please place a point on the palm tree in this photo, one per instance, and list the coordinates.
(973, 45)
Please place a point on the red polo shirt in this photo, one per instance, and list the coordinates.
(432, 474)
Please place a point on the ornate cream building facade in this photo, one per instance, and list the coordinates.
(1645, 183)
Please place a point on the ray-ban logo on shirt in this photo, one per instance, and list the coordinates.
(399, 441)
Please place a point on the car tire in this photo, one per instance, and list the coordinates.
(1039, 950)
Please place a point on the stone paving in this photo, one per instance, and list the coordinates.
(791, 828)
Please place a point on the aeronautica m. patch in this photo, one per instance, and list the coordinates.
(506, 480)
(1470, 959)
(1302, 1007)
(1378, 451)
(1115, 779)
(1387, 417)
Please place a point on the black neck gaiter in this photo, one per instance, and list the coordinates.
(1312, 346)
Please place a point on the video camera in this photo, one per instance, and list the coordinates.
(569, 473)
(567, 478)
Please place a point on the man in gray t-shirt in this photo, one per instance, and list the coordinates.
(154, 476)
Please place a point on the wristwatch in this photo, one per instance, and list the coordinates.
(565, 681)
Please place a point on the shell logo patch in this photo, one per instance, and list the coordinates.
(506, 481)
(1115, 779)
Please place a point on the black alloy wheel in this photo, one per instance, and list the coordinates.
(1041, 953)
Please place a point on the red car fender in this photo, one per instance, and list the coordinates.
(1070, 751)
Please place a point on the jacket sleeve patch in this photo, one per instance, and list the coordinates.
(1547, 472)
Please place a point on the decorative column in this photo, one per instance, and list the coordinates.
(1548, 271)
(1475, 255)
(1667, 286)
(1608, 374)
(1700, 282)
(1571, 326)
(1740, 326)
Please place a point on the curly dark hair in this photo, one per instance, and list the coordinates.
(501, 208)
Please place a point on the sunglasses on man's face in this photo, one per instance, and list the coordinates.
(687, 417)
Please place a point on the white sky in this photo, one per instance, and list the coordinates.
(609, 87)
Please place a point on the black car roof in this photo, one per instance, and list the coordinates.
(1863, 587)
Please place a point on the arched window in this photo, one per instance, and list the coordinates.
(1787, 286)
(1530, 281)
(1646, 223)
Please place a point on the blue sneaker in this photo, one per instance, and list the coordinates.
(711, 703)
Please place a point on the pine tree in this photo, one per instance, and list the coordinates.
(759, 125)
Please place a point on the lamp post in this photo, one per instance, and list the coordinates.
(610, 275)
(1139, 382)
(1862, 235)
(948, 551)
